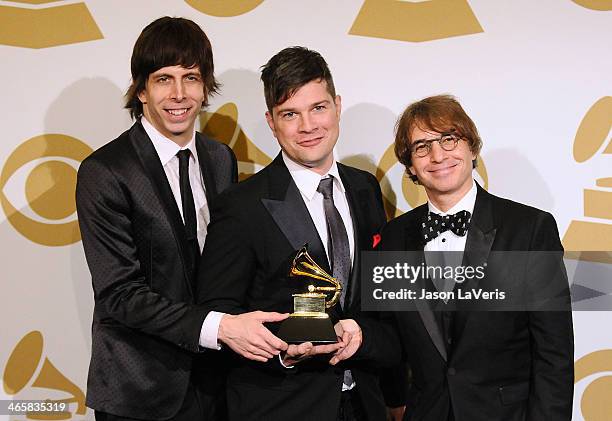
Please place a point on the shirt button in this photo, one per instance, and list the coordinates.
(452, 371)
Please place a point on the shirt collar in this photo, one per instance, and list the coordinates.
(166, 149)
(466, 203)
(306, 180)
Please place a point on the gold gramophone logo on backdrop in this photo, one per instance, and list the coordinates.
(413, 193)
(28, 368)
(224, 8)
(223, 126)
(49, 188)
(402, 20)
(595, 403)
(592, 240)
(46, 23)
(601, 5)
(415, 21)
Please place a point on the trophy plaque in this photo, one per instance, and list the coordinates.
(309, 321)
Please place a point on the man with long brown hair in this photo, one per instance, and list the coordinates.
(143, 204)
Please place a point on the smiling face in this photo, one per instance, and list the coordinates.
(172, 100)
(446, 175)
(307, 125)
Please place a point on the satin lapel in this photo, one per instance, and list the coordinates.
(414, 242)
(289, 212)
(206, 167)
(150, 161)
(478, 245)
(359, 201)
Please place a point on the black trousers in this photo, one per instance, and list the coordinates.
(351, 407)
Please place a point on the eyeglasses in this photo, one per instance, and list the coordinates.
(447, 141)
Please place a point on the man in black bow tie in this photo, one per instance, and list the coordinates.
(475, 365)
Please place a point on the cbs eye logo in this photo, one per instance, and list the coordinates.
(37, 186)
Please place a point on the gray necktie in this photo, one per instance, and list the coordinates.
(337, 239)
(338, 246)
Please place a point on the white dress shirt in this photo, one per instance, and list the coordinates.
(166, 150)
(307, 182)
(448, 240)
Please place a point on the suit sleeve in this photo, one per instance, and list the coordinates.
(394, 385)
(227, 265)
(119, 280)
(380, 342)
(395, 380)
(552, 374)
(234, 165)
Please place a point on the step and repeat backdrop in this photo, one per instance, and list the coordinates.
(534, 75)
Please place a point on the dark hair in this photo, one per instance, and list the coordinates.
(440, 113)
(289, 70)
(169, 42)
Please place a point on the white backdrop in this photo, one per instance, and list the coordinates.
(530, 74)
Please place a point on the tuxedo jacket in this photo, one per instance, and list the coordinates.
(256, 228)
(146, 327)
(499, 365)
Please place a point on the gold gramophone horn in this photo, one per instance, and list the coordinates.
(309, 321)
(22, 366)
(304, 265)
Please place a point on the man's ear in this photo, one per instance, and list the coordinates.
(338, 103)
(142, 96)
(270, 121)
(410, 172)
(205, 100)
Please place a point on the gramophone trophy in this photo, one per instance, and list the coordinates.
(309, 322)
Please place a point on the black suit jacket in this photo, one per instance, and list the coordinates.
(501, 365)
(146, 326)
(256, 228)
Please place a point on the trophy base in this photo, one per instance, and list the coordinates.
(301, 328)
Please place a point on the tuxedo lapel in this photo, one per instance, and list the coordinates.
(481, 234)
(206, 167)
(287, 209)
(359, 201)
(415, 243)
(155, 172)
(478, 245)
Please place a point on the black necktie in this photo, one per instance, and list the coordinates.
(337, 239)
(435, 224)
(189, 213)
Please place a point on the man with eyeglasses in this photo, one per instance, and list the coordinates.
(472, 365)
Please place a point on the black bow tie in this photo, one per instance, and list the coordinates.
(435, 224)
